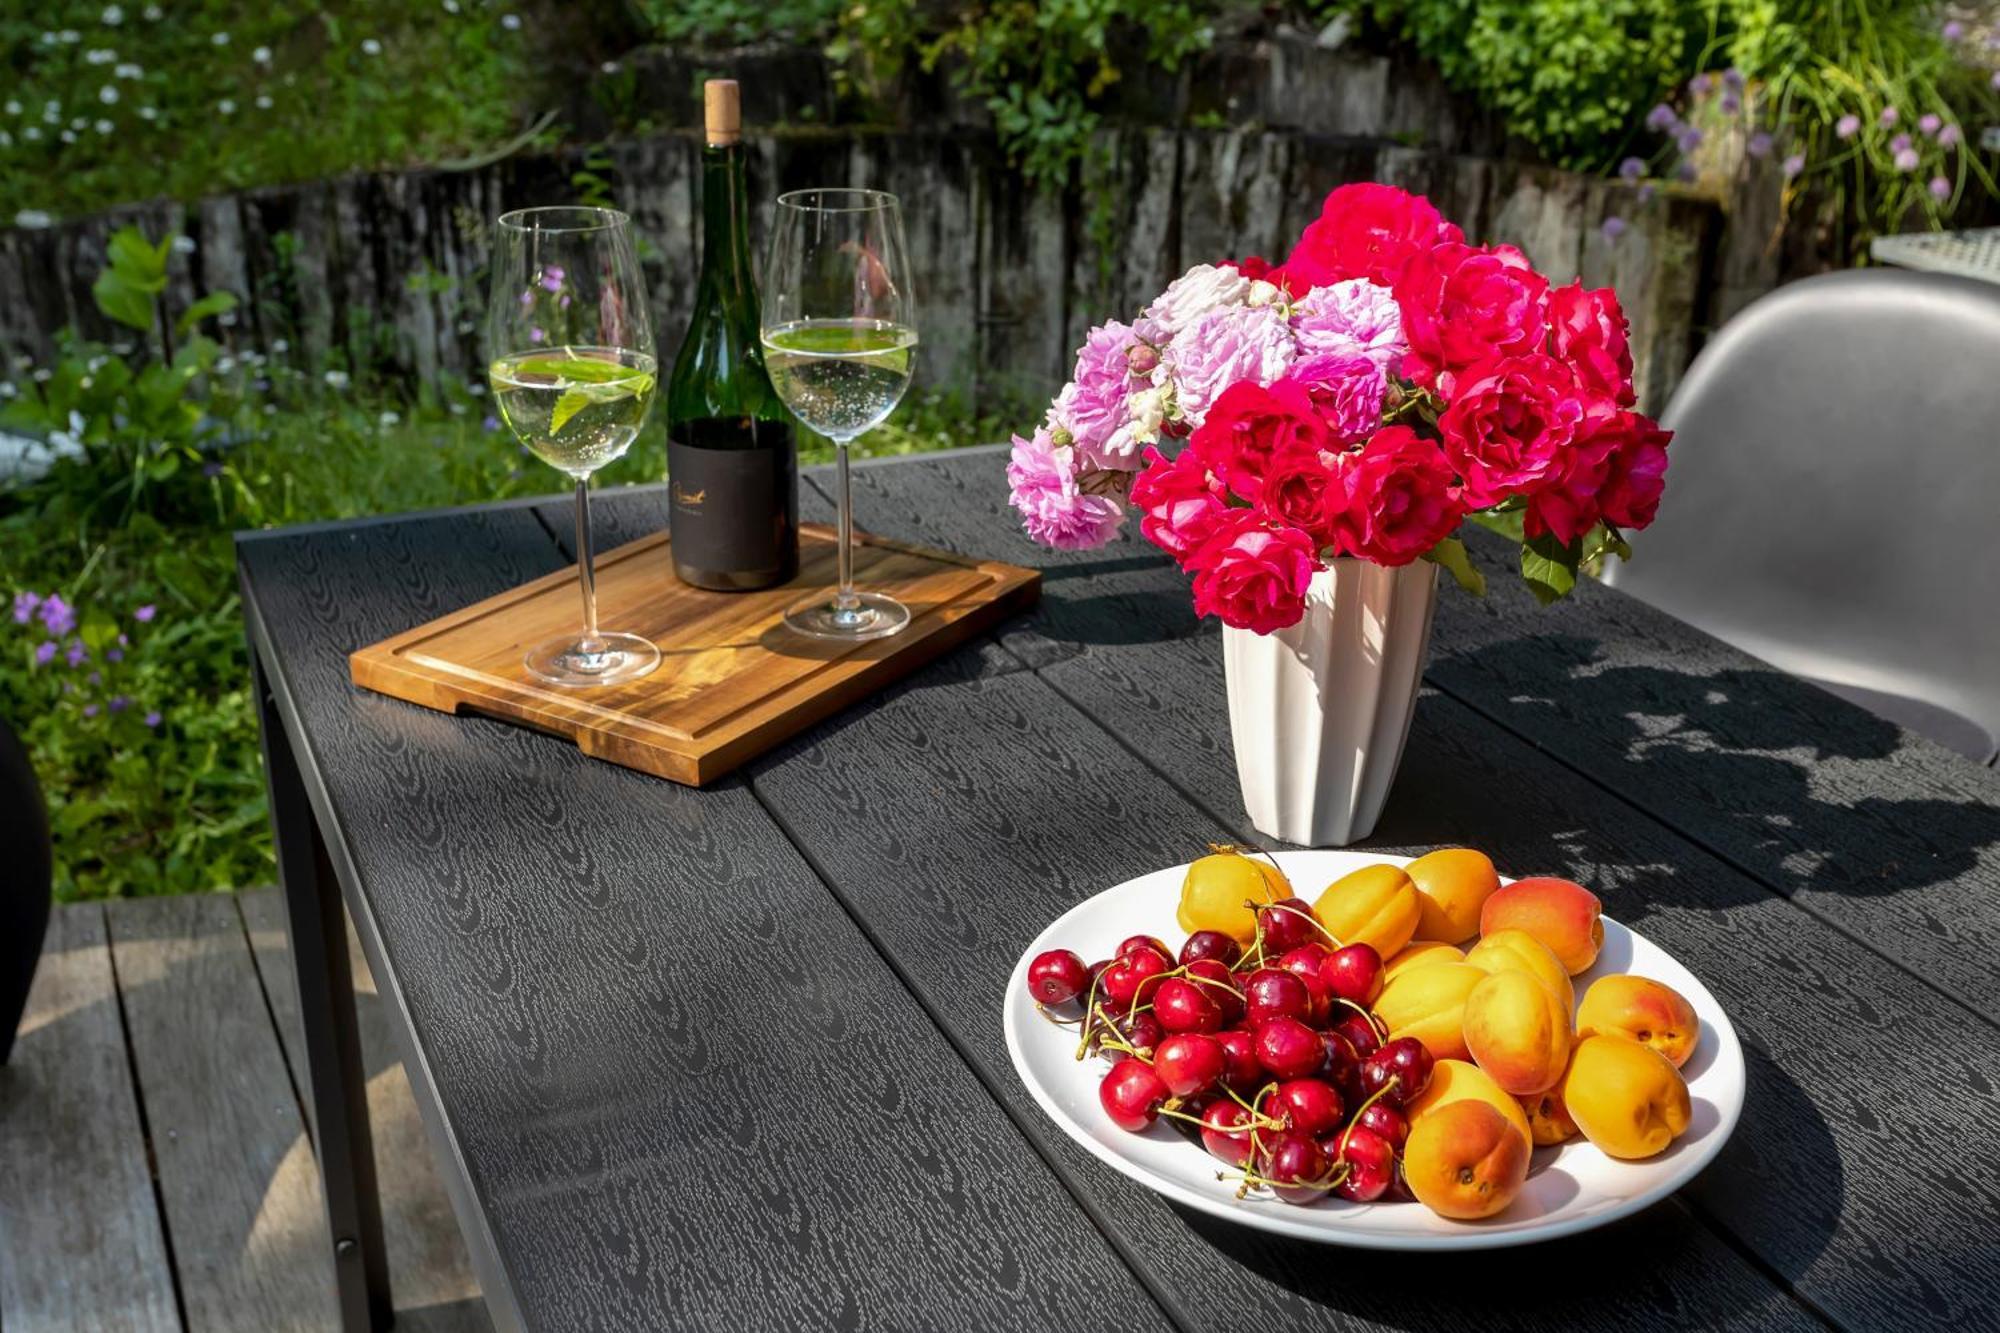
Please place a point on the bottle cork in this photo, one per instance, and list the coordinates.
(722, 111)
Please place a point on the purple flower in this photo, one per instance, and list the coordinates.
(46, 653)
(1930, 122)
(1899, 143)
(1953, 30)
(90, 710)
(1847, 127)
(211, 469)
(535, 333)
(1730, 104)
(152, 719)
(1093, 405)
(492, 423)
(1949, 136)
(24, 606)
(1661, 118)
(1352, 318)
(145, 613)
(58, 616)
(1349, 388)
(1688, 139)
(1631, 169)
(1613, 228)
(1758, 144)
(94, 678)
(119, 703)
(1907, 160)
(1732, 79)
(1685, 172)
(1940, 188)
(76, 655)
(1701, 83)
(1230, 343)
(1644, 194)
(552, 278)
(1042, 485)
(114, 654)
(527, 297)
(1794, 165)
(1889, 117)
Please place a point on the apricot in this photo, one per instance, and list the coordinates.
(1421, 951)
(1627, 1099)
(1428, 1002)
(1374, 905)
(1461, 1081)
(1548, 1119)
(1563, 915)
(1518, 1031)
(1650, 1012)
(1518, 951)
(1219, 888)
(1466, 1160)
(1453, 883)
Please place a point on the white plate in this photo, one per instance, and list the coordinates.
(1571, 1188)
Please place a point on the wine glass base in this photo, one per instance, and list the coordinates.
(872, 616)
(616, 657)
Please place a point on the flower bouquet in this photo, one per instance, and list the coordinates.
(1281, 427)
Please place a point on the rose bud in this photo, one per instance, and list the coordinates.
(1142, 358)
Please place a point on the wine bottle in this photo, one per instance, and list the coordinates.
(732, 464)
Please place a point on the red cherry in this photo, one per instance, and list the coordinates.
(1403, 1066)
(1288, 1048)
(1057, 977)
(1304, 963)
(1225, 1132)
(1132, 979)
(1385, 1120)
(1211, 944)
(1142, 1032)
(1343, 1066)
(1131, 1094)
(1360, 1032)
(1286, 925)
(1308, 1105)
(1371, 1165)
(1183, 1006)
(1242, 1069)
(1296, 1167)
(1272, 993)
(1131, 944)
(1188, 1063)
(1219, 984)
(1353, 973)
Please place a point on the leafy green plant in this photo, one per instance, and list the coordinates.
(719, 23)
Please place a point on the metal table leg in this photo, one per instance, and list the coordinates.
(339, 1081)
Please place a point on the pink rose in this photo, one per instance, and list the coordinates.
(1221, 348)
(1180, 502)
(1508, 426)
(1249, 426)
(1395, 500)
(1637, 474)
(1092, 406)
(1588, 330)
(1252, 575)
(1463, 304)
(1042, 484)
(1347, 390)
(1366, 231)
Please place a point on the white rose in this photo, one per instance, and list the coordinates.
(1193, 294)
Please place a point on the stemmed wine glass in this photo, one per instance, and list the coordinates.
(840, 340)
(573, 374)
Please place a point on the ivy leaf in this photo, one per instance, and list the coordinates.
(1451, 555)
(1549, 566)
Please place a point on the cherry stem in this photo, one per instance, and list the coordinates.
(1375, 1024)
(1051, 1015)
(1395, 1081)
(1089, 1009)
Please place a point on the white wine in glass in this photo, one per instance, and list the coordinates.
(574, 373)
(840, 342)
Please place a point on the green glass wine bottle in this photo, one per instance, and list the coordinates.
(732, 464)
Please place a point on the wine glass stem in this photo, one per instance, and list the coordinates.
(845, 600)
(585, 576)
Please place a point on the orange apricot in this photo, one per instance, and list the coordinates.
(1466, 1160)
(1562, 914)
(1453, 883)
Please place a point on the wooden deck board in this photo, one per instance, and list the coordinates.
(80, 1241)
(430, 1273)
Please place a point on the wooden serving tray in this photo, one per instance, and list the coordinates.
(732, 682)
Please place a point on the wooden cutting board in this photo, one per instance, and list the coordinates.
(732, 682)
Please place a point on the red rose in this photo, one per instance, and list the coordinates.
(1248, 426)
(1568, 503)
(1462, 304)
(1296, 493)
(1396, 499)
(1367, 231)
(1637, 474)
(1181, 501)
(1588, 330)
(1510, 424)
(1253, 575)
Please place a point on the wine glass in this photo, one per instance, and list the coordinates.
(840, 340)
(573, 374)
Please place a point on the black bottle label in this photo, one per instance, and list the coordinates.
(733, 498)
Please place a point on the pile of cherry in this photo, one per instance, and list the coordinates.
(1269, 1053)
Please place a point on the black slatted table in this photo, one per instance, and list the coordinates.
(732, 1058)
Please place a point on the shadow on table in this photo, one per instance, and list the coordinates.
(1732, 756)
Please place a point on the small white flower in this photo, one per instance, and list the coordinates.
(48, 39)
(69, 36)
(112, 16)
(128, 70)
(104, 127)
(1261, 293)
(108, 95)
(220, 39)
(270, 409)
(52, 113)
(13, 107)
(511, 22)
(224, 364)
(389, 418)
(227, 319)
(369, 46)
(99, 56)
(7, 389)
(153, 13)
(42, 375)
(476, 389)
(67, 136)
(32, 134)
(262, 55)
(336, 379)
(148, 113)
(61, 439)
(451, 6)
(6, 139)
(183, 245)
(78, 122)
(226, 106)
(263, 101)
(76, 421)
(280, 346)
(610, 67)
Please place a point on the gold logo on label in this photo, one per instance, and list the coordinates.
(692, 499)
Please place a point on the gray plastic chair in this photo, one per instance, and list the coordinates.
(1833, 492)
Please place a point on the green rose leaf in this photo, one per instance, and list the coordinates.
(1451, 555)
(1549, 566)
